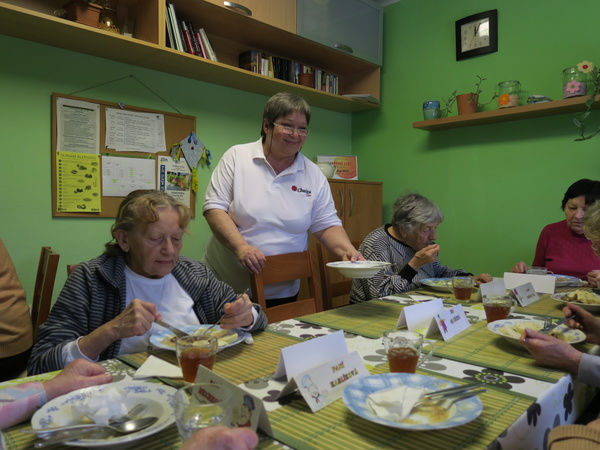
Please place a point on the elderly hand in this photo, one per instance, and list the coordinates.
(483, 278)
(424, 256)
(238, 314)
(593, 277)
(519, 267)
(549, 351)
(251, 258)
(135, 320)
(222, 438)
(584, 321)
(77, 375)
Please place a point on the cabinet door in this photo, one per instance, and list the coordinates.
(363, 213)
(278, 13)
(352, 26)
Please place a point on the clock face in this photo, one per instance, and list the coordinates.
(475, 35)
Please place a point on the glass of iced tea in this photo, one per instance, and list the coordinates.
(462, 287)
(194, 351)
(404, 349)
(201, 405)
(498, 307)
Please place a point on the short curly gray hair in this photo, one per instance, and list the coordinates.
(413, 209)
(591, 223)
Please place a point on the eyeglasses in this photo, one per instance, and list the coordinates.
(291, 130)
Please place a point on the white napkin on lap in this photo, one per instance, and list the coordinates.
(156, 367)
(394, 404)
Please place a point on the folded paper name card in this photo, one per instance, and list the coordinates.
(525, 294)
(319, 368)
(430, 318)
(541, 283)
(449, 323)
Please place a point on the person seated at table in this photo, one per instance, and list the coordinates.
(109, 304)
(16, 335)
(407, 243)
(549, 351)
(580, 437)
(562, 247)
(18, 403)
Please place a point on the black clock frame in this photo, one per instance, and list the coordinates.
(492, 15)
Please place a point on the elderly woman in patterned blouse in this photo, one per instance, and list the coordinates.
(407, 243)
(109, 304)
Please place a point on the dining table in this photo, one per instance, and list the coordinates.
(522, 404)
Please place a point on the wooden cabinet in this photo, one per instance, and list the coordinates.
(352, 26)
(230, 33)
(278, 13)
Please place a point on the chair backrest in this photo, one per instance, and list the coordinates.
(333, 284)
(285, 267)
(70, 268)
(44, 285)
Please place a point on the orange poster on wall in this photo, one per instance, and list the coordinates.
(346, 167)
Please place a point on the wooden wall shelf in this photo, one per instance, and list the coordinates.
(566, 106)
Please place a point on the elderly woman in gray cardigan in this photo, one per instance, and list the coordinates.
(109, 304)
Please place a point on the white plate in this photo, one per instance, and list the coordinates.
(572, 335)
(586, 306)
(158, 339)
(359, 269)
(437, 284)
(355, 398)
(158, 399)
(567, 280)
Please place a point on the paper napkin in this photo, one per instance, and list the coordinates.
(395, 403)
(155, 367)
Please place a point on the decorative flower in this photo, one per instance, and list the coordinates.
(572, 86)
(585, 66)
(492, 377)
(533, 412)
(568, 401)
(504, 99)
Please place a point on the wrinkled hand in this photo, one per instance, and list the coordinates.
(353, 255)
(79, 374)
(549, 351)
(593, 277)
(222, 438)
(519, 267)
(251, 258)
(584, 321)
(483, 278)
(135, 320)
(238, 314)
(425, 256)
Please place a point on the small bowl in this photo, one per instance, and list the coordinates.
(569, 335)
(359, 269)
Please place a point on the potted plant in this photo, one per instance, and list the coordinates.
(593, 90)
(468, 103)
(86, 12)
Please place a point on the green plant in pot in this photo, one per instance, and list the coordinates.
(468, 103)
(593, 87)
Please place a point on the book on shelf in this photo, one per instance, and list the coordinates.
(201, 44)
(170, 37)
(172, 17)
(210, 52)
(250, 60)
(187, 38)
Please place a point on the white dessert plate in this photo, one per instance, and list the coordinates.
(563, 298)
(359, 269)
(505, 328)
(165, 339)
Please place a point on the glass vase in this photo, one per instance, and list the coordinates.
(574, 82)
(508, 93)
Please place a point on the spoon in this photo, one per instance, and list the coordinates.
(130, 426)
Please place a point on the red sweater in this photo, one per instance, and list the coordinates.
(564, 252)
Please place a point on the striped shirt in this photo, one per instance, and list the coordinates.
(379, 245)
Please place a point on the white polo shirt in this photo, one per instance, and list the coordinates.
(272, 212)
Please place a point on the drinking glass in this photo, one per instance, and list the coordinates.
(462, 287)
(194, 351)
(498, 307)
(537, 271)
(201, 405)
(404, 349)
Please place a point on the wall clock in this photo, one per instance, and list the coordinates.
(477, 34)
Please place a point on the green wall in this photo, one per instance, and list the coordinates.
(30, 73)
(498, 184)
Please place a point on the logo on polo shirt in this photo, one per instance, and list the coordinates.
(301, 190)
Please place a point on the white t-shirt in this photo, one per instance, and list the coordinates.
(273, 212)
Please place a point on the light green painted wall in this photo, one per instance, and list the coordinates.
(30, 73)
(498, 184)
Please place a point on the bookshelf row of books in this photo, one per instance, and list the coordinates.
(287, 70)
(183, 36)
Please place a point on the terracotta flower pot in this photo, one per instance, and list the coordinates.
(83, 12)
(467, 103)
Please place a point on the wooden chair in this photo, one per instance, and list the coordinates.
(285, 267)
(333, 284)
(44, 286)
(70, 269)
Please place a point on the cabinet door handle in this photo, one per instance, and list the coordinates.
(241, 9)
(351, 203)
(342, 47)
(343, 208)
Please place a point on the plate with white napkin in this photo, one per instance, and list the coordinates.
(388, 399)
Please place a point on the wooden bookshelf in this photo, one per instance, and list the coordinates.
(230, 34)
(566, 106)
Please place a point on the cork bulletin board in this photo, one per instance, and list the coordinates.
(176, 128)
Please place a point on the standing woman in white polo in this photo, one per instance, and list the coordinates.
(263, 199)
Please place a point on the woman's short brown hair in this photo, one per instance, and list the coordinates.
(141, 207)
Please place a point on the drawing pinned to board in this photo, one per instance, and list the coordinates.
(174, 177)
